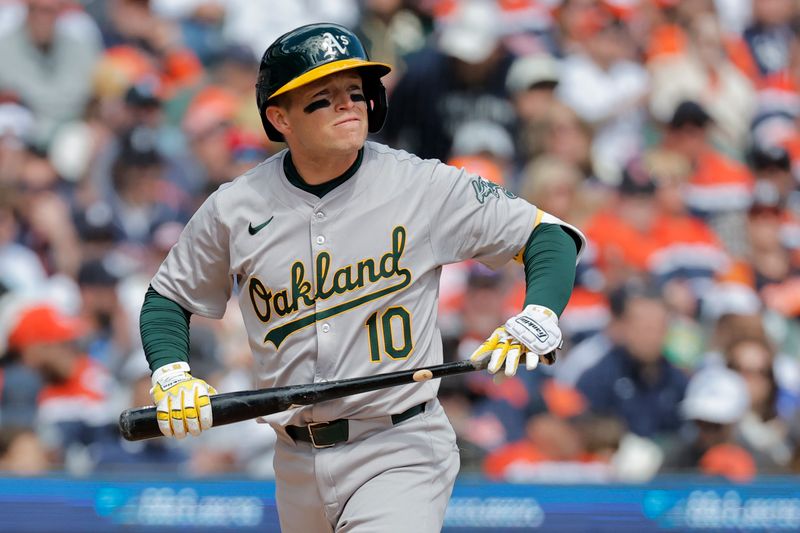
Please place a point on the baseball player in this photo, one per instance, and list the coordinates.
(333, 248)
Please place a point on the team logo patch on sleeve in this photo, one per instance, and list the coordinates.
(486, 189)
(534, 327)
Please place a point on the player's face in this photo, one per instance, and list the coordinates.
(328, 115)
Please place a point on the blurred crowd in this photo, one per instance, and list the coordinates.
(667, 130)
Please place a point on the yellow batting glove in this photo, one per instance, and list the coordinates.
(182, 401)
(533, 333)
(501, 348)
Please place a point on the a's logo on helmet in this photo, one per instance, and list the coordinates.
(332, 44)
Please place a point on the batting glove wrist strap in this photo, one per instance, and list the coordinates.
(171, 374)
(537, 328)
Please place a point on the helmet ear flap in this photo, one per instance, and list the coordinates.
(375, 94)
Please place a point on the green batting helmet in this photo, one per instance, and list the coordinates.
(307, 54)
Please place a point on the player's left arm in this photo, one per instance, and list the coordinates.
(550, 257)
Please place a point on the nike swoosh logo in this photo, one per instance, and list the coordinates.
(255, 229)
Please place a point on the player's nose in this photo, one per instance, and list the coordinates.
(344, 101)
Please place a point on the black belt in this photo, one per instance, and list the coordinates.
(325, 434)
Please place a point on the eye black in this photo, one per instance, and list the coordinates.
(317, 104)
(357, 97)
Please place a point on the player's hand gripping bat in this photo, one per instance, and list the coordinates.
(140, 423)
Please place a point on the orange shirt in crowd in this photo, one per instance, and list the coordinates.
(719, 184)
(80, 398)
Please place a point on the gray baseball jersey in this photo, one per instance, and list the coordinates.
(345, 285)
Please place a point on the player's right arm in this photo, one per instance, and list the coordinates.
(193, 279)
(182, 401)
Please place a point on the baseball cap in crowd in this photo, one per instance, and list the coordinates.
(716, 394)
(770, 157)
(482, 136)
(96, 273)
(44, 324)
(730, 298)
(145, 93)
(472, 32)
(210, 107)
(636, 180)
(532, 71)
(246, 147)
(689, 113)
(139, 148)
(118, 68)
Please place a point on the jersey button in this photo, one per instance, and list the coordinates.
(326, 328)
(320, 239)
(319, 215)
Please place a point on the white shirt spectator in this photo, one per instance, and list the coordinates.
(610, 100)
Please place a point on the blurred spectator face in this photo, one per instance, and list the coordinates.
(238, 71)
(137, 184)
(38, 174)
(689, 140)
(8, 221)
(53, 360)
(484, 302)
(383, 8)
(670, 173)
(98, 288)
(773, 12)
(532, 105)
(566, 137)
(22, 453)
(710, 434)
(706, 39)
(773, 171)
(638, 210)
(132, 18)
(609, 44)
(211, 149)
(763, 226)
(752, 359)
(555, 437)
(643, 328)
(729, 326)
(670, 193)
(44, 339)
(551, 184)
(42, 16)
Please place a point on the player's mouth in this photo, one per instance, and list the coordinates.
(347, 120)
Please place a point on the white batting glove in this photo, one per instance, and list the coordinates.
(182, 401)
(533, 333)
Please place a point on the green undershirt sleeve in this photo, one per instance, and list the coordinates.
(164, 327)
(549, 259)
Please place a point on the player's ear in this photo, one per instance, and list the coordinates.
(279, 119)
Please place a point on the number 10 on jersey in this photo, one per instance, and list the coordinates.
(394, 326)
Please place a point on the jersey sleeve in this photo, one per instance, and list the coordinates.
(196, 272)
(473, 218)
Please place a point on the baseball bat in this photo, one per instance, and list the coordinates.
(140, 423)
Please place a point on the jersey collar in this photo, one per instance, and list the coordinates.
(322, 189)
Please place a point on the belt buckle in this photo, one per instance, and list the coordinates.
(311, 427)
